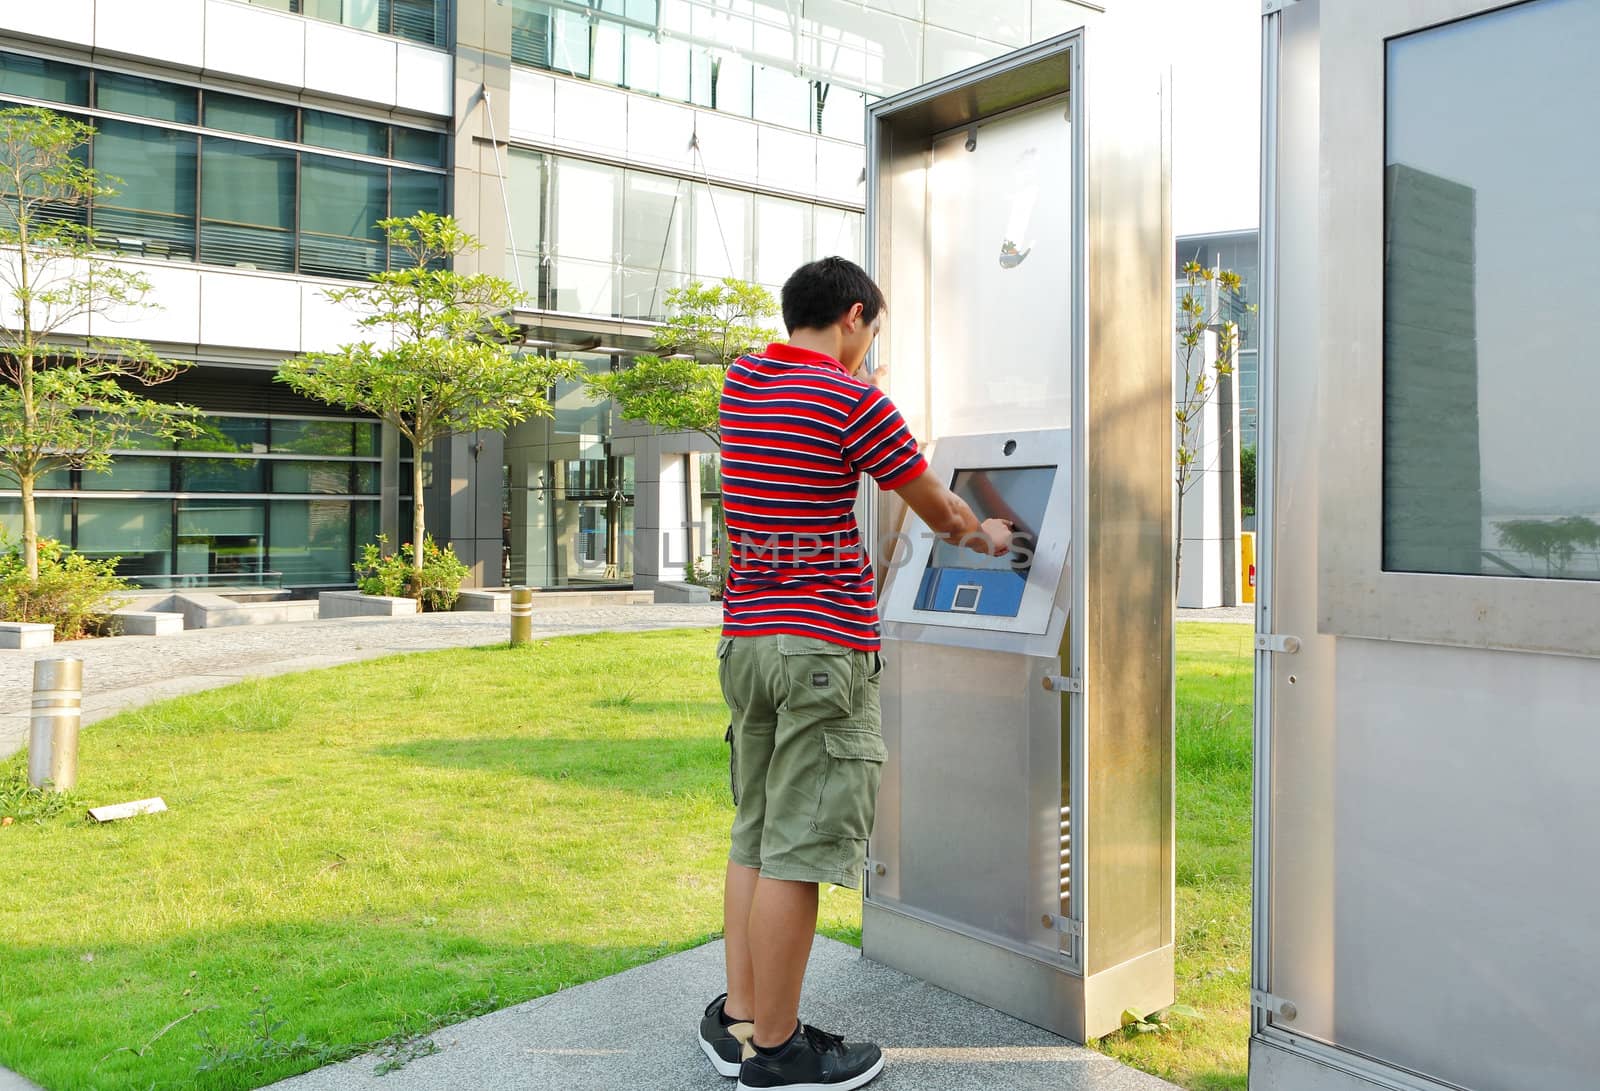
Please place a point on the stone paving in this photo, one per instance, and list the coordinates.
(128, 671)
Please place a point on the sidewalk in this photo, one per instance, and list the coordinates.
(128, 671)
(637, 1031)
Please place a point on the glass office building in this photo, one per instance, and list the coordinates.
(605, 151)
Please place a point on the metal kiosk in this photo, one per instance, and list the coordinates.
(1023, 849)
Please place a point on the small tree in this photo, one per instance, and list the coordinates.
(449, 366)
(710, 327)
(65, 404)
(1556, 541)
(1198, 381)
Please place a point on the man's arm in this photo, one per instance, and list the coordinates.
(948, 516)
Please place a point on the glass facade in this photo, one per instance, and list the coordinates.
(252, 501)
(590, 238)
(418, 20)
(803, 75)
(226, 180)
(1491, 224)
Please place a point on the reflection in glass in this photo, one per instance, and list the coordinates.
(228, 434)
(142, 97)
(315, 437)
(247, 205)
(131, 475)
(311, 542)
(152, 212)
(138, 531)
(342, 204)
(224, 538)
(54, 519)
(1492, 223)
(52, 81)
(252, 117)
(311, 477)
(221, 475)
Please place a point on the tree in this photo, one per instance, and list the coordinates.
(1557, 541)
(448, 363)
(1198, 381)
(67, 400)
(709, 328)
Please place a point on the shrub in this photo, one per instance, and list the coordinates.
(74, 593)
(395, 577)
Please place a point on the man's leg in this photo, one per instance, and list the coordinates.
(739, 892)
(783, 917)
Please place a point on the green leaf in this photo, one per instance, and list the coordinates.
(1131, 1017)
(1186, 1011)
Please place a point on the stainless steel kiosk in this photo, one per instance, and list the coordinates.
(1019, 218)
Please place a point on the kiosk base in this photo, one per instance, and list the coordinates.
(1077, 1008)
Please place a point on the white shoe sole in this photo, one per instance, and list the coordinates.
(849, 1085)
(724, 1068)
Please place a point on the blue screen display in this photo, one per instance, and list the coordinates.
(959, 580)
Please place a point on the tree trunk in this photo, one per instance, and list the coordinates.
(30, 528)
(419, 533)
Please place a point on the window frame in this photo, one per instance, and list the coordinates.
(1357, 596)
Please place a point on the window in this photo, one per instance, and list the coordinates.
(344, 200)
(146, 98)
(783, 231)
(315, 437)
(247, 204)
(137, 531)
(232, 200)
(252, 117)
(346, 134)
(419, 146)
(52, 81)
(152, 211)
(1492, 222)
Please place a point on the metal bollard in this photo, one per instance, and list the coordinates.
(521, 616)
(53, 730)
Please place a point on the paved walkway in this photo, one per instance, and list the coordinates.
(1241, 615)
(636, 1031)
(128, 671)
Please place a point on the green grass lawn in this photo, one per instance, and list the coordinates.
(356, 856)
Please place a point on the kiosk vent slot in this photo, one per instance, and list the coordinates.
(1066, 854)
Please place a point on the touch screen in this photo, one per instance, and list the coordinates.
(958, 580)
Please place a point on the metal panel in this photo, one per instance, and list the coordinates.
(1411, 902)
(1359, 598)
(1128, 537)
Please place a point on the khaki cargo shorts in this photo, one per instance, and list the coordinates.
(806, 755)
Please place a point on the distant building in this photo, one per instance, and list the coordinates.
(1235, 251)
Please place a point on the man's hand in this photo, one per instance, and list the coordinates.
(994, 538)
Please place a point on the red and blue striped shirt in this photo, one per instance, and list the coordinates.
(798, 431)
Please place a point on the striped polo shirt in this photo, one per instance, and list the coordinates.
(798, 431)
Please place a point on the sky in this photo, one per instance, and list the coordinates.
(1216, 141)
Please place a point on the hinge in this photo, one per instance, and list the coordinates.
(1272, 7)
(1065, 925)
(876, 867)
(1275, 642)
(1276, 1005)
(1061, 683)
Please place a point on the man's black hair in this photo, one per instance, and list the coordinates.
(819, 294)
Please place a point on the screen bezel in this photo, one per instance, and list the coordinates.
(995, 451)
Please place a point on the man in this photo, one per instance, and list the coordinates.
(799, 663)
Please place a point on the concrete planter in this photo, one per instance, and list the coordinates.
(148, 622)
(21, 634)
(336, 604)
(206, 611)
(673, 591)
(489, 602)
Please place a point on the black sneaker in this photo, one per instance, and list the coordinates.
(813, 1060)
(725, 1046)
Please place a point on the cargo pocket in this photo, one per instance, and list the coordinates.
(724, 651)
(733, 764)
(819, 677)
(850, 783)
